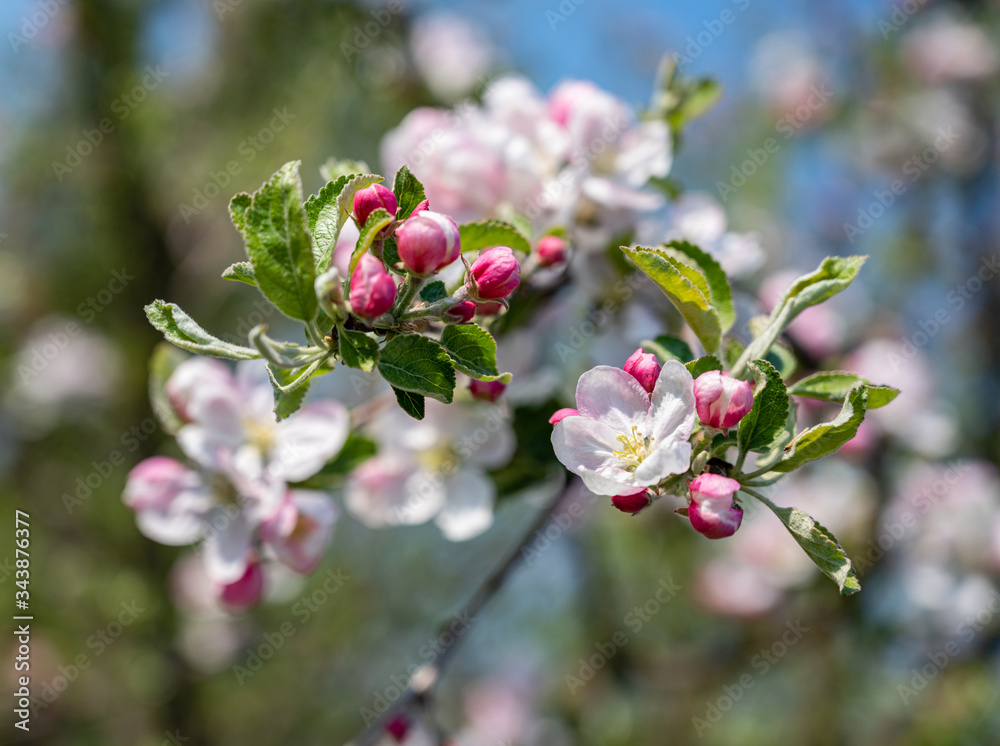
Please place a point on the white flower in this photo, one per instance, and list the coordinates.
(625, 440)
(433, 469)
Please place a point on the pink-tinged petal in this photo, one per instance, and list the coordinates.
(170, 501)
(468, 507)
(300, 531)
(617, 483)
(201, 446)
(560, 414)
(613, 397)
(583, 442)
(244, 592)
(672, 457)
(192, 375)
(631, 503)
(672, 414)
(308, 439)
(228, 547)
(220, 413)
(712, 511)
(377, 493)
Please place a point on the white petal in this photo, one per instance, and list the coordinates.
(423, 497)
(672, 413)
(301, 545)
(377, 492)
(669, 458)
(617, 483)
(179, 522)
(218, 410)
(256, 392)
(468, 508)
(582, 442)
(308, 439)
(227, 548)
(613, 397)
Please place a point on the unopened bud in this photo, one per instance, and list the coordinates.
(487, 390)
(631, 503)
(712, 511)
(427, 242)
(550, 250)
(372, 288)
(721, 401)
(644, 368)
(495, 274)
(370, 199)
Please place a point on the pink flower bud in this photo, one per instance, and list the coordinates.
(246, 591)
(372, 288)
(421, 206)
(495, 274)
(370, 199)
(561, 414)
(550, 250)
(489, 308)
(427, 242)
(644, 368)
(721, 401)
(631, 503)
(712, 511)
(486, 390)
(460, 313)
(398, 726)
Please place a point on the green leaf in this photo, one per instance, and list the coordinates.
(240, 272)
(673, 278)
(412, 404)
(821, 546)
(356, 451)
(485, 233)
(378, 220)
(834, 275)
(419, 365)
(433, 292)
(765, 421)
(473, 351)
(409, 192)
(284, 354)
(719, 291)
(180, 329)
(667, 347)
(162, 364)
(390, 255)
(238, 207)
(827, 437)
(703, 365)
(345, 200)
(782, 358)
(358, 350)
(323, 213)
(833, 385)
(287, 403)
(279, 245)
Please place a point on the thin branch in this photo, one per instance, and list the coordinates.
(423, 681)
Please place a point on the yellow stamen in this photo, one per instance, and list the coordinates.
(635, 448)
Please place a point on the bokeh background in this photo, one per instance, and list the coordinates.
(118, 119)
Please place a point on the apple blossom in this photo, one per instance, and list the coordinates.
(372, 288)
(624, 439)
(245, 592)
(372, 198)
(428, 242)
(560, 414)
(712, 511)
(631, 503)
(494, 274)
(644, 367)
(550, 250)
(722, 401)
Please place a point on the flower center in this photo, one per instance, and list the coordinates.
(441, 458)
(260, 435)
(635, 448)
